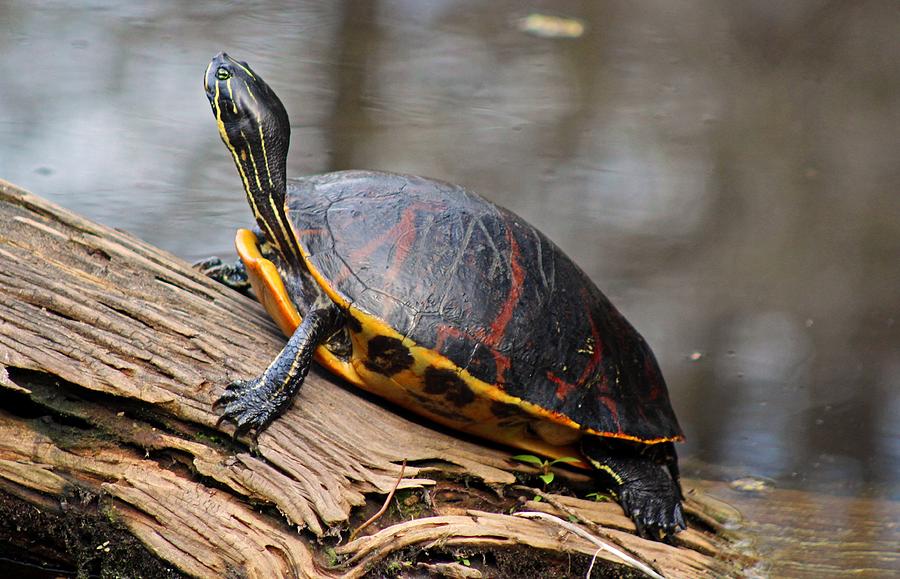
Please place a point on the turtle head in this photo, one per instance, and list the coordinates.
(255, 128)
(243, 103)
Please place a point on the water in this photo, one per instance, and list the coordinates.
(726, 172)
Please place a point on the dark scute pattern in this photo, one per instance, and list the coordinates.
(448, 384)
(478, 284)
(502, 410)
(388, 355)
(482, 361)
(440, 408)
(510, 415)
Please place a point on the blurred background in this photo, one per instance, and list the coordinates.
(727, 172)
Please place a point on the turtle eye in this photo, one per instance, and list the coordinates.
(223, 73)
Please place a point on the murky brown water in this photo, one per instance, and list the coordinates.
(726, 172)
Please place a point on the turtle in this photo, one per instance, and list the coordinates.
(443, 303)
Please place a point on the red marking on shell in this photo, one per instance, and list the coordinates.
(613, 410)
(502, 362)
(498, 327)
(562, 387)
(406, 225)
(493, 336)
(405, 234)
(402, 235)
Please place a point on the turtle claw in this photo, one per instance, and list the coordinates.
(207, 264)
(635, 516)
(233, 392)
(680, 524)
(244, 426)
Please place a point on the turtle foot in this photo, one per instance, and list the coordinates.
(652, 502)
(233, 275)
(646, 484)
(251, 404)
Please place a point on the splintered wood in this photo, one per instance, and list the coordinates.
(132, 347)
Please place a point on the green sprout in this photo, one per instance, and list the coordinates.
(545, 465)
(332, 556)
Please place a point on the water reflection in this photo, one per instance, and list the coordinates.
(727, 173)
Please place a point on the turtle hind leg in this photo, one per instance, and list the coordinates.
(645, 481)
(253, 404)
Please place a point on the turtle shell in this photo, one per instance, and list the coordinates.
(463, 312)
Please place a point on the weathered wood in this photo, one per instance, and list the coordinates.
(124, 348)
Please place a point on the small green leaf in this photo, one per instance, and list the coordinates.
(567, 459)
(537, 498)
(331, 554)
(547, 477)
(530, 458)
(466, 562)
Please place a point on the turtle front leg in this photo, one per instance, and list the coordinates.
(253, 404)
(647, 486)
(234, 275)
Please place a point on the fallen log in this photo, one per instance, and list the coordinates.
(111, 354)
